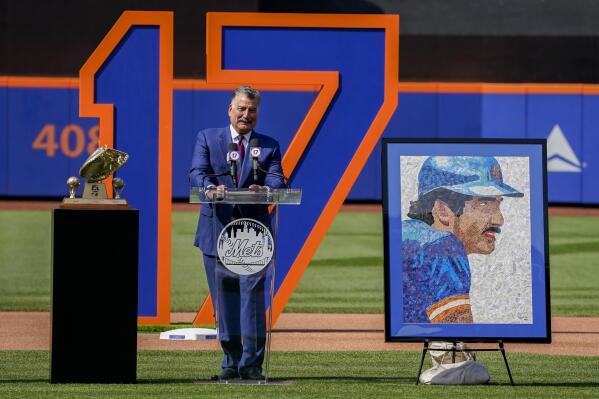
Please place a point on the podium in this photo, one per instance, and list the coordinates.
(245, 226)
(94, 295)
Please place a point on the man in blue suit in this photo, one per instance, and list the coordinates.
(239, 299)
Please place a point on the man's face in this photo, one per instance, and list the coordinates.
(243, 113)
(478, 224)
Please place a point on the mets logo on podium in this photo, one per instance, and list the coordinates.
(245, 246)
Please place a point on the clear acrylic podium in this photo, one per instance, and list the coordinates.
(267, 196)
(247, 244)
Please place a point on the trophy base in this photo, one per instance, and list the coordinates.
(91, 203)
(95, 190)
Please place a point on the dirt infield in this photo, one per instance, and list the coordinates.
(306, 332)
(302, 332)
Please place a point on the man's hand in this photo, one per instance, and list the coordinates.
(215, 192)
(257, 187)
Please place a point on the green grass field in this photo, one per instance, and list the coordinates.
(24, 374)
(341, 278)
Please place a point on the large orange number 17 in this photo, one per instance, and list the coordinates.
(350, 60)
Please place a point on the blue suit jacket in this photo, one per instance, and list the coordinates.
(210, 157)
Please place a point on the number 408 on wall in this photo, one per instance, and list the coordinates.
(71, 140)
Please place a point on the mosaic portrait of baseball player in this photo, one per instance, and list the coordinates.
(458, 212)
(464, 241)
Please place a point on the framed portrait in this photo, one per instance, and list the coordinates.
(466, 243)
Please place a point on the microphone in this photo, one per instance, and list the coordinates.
(255, 152)
(232, 158)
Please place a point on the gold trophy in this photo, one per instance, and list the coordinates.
(73, 185)
(101, 164)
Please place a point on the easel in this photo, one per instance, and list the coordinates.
(453, 350)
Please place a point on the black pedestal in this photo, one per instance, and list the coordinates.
(94, 295)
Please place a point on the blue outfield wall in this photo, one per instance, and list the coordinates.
(3, 140)
(43, 141)
(571, 120)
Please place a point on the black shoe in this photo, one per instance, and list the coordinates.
(251, 374)
(228, 374)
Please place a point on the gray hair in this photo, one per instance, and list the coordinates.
(252, 94)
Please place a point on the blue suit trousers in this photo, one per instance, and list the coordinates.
(241, 313)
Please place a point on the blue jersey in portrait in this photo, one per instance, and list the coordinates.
(436, 273)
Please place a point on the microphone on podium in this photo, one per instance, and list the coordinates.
(255, 153)
(232, 158)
